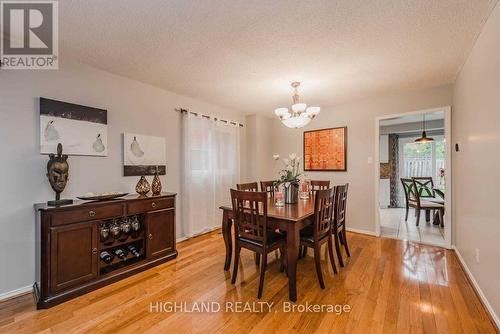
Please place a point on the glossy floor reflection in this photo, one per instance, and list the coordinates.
(393, 225)
(390, 286)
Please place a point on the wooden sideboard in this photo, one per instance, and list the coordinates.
(70, 244)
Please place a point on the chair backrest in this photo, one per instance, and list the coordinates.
(410, 190)
(268, 187)
(252, 186)
(319, 185)
(424, 186)
(340, 204)
(324, 204)
(250, 214)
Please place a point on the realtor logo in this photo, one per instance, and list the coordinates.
(29, 35)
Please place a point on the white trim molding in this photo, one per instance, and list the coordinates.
(477, 288)
(16, 293)
(355, 230)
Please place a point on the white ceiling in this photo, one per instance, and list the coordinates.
(243, 54)
(438, 115)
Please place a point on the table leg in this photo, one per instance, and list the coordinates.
(227, 222)
(292, 254)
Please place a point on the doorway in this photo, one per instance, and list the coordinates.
(412, 176)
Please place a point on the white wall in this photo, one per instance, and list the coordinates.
(132, 107)
(359, 117)
(259, 149)
(476, 168)
(384, 197)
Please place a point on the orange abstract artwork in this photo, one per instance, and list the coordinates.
(325, 150)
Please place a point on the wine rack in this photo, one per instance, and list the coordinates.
(118, 234)
(119, 263)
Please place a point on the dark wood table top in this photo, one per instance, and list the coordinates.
(82, 203)
(290, 212)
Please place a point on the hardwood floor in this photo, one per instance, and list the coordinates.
(391, 286)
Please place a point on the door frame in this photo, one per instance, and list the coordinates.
(447, 166)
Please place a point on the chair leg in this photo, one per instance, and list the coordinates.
(338, 250)
(330, 252)
(427, 215)
(263, 265)
(317, 256)
(441, 217)
(257, 259)
(417, 212)
(237, 251)
(304, 251)
(406, 216)
(341, 238)
(282, 259)
(344, 233)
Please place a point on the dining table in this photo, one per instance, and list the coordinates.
(289, 218)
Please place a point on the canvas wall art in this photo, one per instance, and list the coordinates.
(143, 154)
(325, 149)
(81, 130)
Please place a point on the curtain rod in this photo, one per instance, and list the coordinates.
(185, 111)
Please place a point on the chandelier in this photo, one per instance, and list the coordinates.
(300, 115)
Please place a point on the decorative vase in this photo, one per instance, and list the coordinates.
(291, 193)
(156, 185)
(142, 187)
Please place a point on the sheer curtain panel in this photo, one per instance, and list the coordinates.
(211, 165)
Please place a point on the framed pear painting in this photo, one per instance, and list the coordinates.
(325, 150)
(143, 155)
(81, 130)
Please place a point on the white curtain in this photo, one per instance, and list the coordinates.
(211, 166)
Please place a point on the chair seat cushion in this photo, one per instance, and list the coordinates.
(307, 234)
(272, 238)
(431, 205)
(434, 200)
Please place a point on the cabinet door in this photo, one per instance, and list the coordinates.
(160, 231)
(73, 255)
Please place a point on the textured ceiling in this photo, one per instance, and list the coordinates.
(413, 118)
(243, 54)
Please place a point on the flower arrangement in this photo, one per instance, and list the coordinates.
(289, 175)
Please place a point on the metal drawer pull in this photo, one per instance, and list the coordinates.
(153, 204)
(94, 251)
(91, 213)
(150, 236)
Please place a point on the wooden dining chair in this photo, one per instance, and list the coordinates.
(315, 186)
(413, 200)
(250, 225)
(315, 235)
(338, 222)
(268, 187)
(251, 186)
(319, 185)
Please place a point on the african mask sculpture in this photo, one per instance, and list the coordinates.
(58, 173)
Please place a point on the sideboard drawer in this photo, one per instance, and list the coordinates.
(151, 205)
(89, 213)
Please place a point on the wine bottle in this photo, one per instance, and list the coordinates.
(121, 254)
(132, 249)
(106, 257)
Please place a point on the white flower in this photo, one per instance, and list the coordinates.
(289, 168)
(285, 161)
(293, 157)
(276, 156)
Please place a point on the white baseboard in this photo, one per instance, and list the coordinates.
(208, 230)
(482, 296)
(15, 293)
(355, 230)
